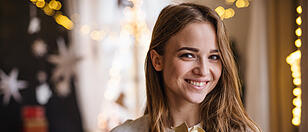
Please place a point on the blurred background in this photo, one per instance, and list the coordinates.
(78, 65)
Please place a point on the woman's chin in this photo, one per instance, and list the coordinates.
(196, 99)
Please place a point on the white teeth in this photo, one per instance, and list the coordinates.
(196, 83)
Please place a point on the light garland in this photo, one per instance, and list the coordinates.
(294, 61)
(52, 9)
(229, 13)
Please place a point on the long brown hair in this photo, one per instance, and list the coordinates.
(222, 109)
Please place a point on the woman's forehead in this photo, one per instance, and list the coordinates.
(200, 35)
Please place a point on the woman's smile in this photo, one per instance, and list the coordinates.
(198, 84)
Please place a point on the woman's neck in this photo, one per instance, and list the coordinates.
(183, 111)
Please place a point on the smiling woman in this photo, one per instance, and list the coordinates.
(191, 67)
(191, 77)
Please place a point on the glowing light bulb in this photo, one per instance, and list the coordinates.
(298, 43)
(55, 5)
(59, 5)
(289, 59)
(220, 10)
(228, 13)
(299, 9)
(297, 54)
(296, 111)
(64, 21)
(296, 121)
(294, 68)
(246, 3)
(297, 91)
(297, 102)
(40, 3)
(48, 11)
(240, 3)
(299, 20)
(297, 81)
(296, 74)
(298, 32)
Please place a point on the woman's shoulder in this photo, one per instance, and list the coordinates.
(139, 125)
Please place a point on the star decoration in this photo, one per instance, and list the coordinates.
(9, 85)
(34, 25)
(39, 48)
(65, 63)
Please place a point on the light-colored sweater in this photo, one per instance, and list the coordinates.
(141, 125)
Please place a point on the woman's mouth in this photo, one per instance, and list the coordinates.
(196, 82)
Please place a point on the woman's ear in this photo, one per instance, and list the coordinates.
(157, 60)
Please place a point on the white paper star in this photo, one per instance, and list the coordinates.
(34, 25)
(9, 85)
(65, 63)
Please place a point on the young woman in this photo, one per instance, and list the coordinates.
(191, 77)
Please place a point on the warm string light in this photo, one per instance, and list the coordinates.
(294, 61)
(52, 9)
(242, 3)
(229, 13)
(225, 13)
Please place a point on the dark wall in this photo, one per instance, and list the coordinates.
(62, 113)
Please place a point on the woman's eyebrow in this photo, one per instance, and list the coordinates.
(214, 51)
(188, 48)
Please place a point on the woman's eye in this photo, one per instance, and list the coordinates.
(187, 55)
(214, 57)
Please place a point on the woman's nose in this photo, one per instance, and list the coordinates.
(202, 68)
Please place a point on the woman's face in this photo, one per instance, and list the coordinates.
(191, 63)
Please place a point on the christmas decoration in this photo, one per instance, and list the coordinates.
(39, 48)
(9, 85)
(53, 9)
(34, 24)
(43, 93)
(65, 63)
(34, 119)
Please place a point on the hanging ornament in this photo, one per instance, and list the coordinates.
(34, 24)
(65, 63)
(9, 85)
(39, 48)
(43, 92)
